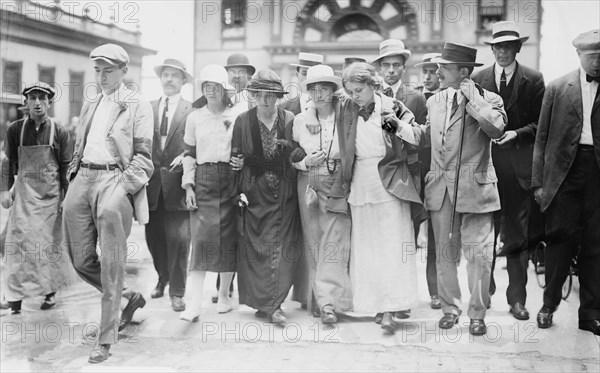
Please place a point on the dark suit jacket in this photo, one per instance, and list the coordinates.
(414, 100)
(163, 179)
(558, 134)
(523, 111)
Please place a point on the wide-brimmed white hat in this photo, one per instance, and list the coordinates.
(319, 74)
(391, 47)
(504, 31)
(217, 74)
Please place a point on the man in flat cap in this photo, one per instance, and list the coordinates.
(38, 151)
(168, 229)
(460, 189)
(522, 89)
(391, 63)
(111, 166)
(566, 181)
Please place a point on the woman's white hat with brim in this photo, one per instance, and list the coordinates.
(320, 74)
(216, 74)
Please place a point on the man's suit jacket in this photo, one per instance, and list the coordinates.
(414, 100)
(523, 111)
(162, 178)
(485, 120)
(558, 135)
(128, 140)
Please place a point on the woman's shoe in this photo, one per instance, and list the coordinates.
(388, 323)
(15, 307)
(189, 316)
(328, 315)
(49, 302)
(278, 317)
(224, 307)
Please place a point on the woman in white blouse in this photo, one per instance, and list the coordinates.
(380, 186)
(326, 233)
(208, 181)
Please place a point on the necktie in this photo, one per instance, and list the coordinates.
(388, 92)
(164, 121)
(589, 78)
(454, 105)
(365, 112)
(502, 81)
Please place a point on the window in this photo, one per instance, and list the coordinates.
(490, 12)
(46, 75)
(11, 77)
(75, 93)
(233, 16)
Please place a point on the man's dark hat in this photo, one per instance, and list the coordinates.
(240, 60)
(41, 87)
(457, 54)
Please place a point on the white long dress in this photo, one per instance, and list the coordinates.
(383, 267)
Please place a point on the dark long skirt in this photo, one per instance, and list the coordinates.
(271, 246)
(214, 239)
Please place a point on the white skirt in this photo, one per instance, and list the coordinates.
(383, 264)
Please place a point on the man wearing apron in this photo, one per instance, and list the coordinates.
(38, 151)
(111, 166)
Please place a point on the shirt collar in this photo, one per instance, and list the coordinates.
(508, 70)
(582, 75)
(173, 100)
(395, 87)
(117, 95)
(31, 122)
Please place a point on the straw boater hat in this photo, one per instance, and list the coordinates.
(308, 59)
(216, 74)
(320, 74)
(588, 42)
(266, 81)
(504, 31)
(40, 87)
(427, 57)
(176, 64)
(457, 54)
(240, 60)
(391, 47)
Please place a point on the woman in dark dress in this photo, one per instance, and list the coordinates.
(269, 248)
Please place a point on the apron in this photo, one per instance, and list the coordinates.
(37, 263)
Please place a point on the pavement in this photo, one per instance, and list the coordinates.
(157, 341)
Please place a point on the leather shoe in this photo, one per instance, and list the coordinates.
(590, 325)
(49, 302)
(261, 315)
(278, 317)
(544, 317)
(448, 321)
(435, 302)
(401, 315)
(99, 353)
(477, 327)
(388, 323)
(178, 304)
(158, 291)
(136, 301)
(328, 315)
(378, 318)
(15, 306)
(519, 311)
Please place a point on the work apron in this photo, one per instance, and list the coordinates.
(37, 264)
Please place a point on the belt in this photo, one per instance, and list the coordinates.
(585, 148)
(96, 166)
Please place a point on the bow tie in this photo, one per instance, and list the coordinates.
(365, 112)
(589, 78)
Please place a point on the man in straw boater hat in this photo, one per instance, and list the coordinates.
(297, 104)
(460, 191)
(168, 228)
(391, 63)
(38, 151)
(424, 232)
(566, 181)
(522, 89)
(111, 166)
(240, 72)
